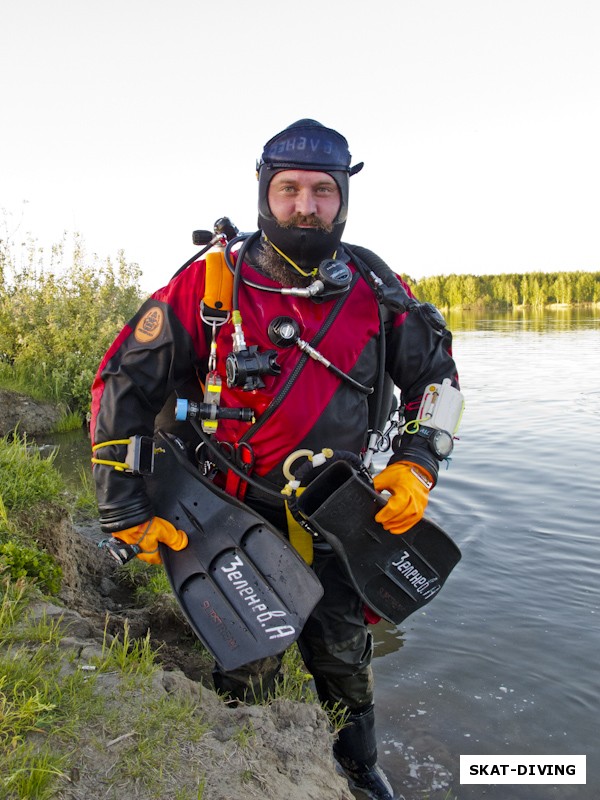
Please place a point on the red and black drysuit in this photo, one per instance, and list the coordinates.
(166, 346)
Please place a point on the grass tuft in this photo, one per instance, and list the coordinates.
(25, 477)
(69, 421)
(132, 657)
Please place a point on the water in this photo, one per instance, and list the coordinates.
(505, 660)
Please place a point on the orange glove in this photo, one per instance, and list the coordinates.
(409, 486)
(147, 536)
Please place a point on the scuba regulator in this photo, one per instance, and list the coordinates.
(245, 366)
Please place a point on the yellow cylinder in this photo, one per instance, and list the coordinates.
(218, 291)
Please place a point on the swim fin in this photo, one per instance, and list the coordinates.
(244, 590)
(394, 574)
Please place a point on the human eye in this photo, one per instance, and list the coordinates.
(327, 189)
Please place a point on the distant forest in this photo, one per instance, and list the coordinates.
(534, 289)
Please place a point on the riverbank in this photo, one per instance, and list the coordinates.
(28, 416)
(207, 748)
(105, 691)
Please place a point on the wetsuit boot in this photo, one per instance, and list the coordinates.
(355, 751)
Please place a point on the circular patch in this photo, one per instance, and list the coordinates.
(150, 325)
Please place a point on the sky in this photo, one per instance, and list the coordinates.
(134, 122)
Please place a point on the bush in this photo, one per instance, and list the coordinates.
(20, 561)
(57, 321)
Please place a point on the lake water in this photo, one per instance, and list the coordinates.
(505, 660)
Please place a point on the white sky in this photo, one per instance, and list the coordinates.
(133, 122)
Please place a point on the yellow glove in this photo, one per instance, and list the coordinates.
(409, 486)
(147, 536)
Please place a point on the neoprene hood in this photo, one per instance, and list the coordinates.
(308, 145)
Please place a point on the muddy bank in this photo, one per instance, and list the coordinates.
(29, 416)
(289, 751)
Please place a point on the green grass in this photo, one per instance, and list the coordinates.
(32, 497)
(294, 682)
(29, 698)
(85, 503)
(23, 561)
(68, 421)
(50, 708)
(20, 380)
(26, 478)
(131, 657)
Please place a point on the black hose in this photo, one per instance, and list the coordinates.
(381, 374)
(225, 464)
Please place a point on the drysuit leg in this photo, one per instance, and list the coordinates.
(337, 648)
(250, 683)
(356, 752)
(336, 644)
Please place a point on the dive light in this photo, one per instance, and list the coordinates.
(187, 409)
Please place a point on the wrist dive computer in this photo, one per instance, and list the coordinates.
(441, 443)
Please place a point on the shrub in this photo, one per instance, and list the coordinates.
(21, 561)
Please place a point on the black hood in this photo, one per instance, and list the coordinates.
(307, 145)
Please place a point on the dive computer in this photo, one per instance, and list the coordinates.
(441, 443)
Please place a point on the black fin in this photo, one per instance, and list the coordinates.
(244, 590)
(394, 574)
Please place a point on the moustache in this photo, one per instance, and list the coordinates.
(307, 220)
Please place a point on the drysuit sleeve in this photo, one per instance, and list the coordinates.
(419, 352)
(158, 350)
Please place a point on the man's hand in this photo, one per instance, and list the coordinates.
(147, 536)
(409, 486)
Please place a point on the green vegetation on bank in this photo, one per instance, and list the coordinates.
(59, 313)
(509, 290)
(31, 496)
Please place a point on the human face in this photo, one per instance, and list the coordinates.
(304, 198)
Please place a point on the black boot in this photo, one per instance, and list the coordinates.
(355, 751)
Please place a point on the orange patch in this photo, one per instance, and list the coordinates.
(150, 326)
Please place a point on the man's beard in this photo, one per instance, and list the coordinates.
(275, 266)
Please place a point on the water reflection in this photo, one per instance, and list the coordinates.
(71, 452)
(505, 659)
(540, 320)
(387, 638)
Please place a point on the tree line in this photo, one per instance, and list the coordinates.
(506, 291)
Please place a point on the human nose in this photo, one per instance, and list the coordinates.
(306, 203)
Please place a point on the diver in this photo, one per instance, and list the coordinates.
(288, 361)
